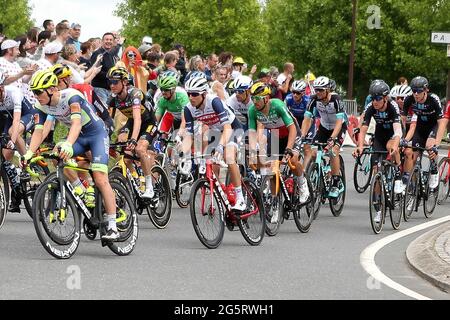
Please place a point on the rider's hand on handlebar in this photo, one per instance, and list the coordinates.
(131, 144)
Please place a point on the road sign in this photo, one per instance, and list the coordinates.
(440, 37)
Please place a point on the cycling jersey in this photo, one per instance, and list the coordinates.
(14, 101)
(174, 106)
(214, 114)
(135, 99)
(384, 119)
(297, 109)
(329, 113)
(278, 117)
(447, 111)
(240, 109)
(427, 113)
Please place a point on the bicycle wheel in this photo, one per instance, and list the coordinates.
(160, 213)
(29, 186)
(362, 173)
(269, 201)
(377, 203)
(127, 221)
(252, 221)
(4, 196)
(115, 175)
(313, 173)
(395, 213)
(430, 199)
(57, 228)
(411, 195)
(207, 214)
(183, 189)
(444, 177)
(304, 214)
(337, 204)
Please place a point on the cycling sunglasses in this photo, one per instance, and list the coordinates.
(319, 90)
(166, 90)
(193, 94)
(239, 91)
(377, 98)
(113, 81)
(38, 92)
(298, 92)
(257, 98)
(418, 91)
(400, 98)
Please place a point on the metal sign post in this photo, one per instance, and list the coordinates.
(443, 38)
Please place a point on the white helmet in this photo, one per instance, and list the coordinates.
(299, 85)
(404, 91)
(196, 84)
(322, 83)
(242, 83)
(147, 40)
(394, 92)
(185, 166)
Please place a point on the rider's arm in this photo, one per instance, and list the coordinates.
(137, 119)
(47, 127)
(37, 137)
(308, 118)
(75, 127)
(187, 138)
(442, 124)
(252, 135)
(17, 98)
(340, 116)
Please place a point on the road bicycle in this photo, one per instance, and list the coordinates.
(159, 208)
(286, 199)
(382, 197)
(58, 209)
(362, 170)
(319, 173)
(418, 189)
(444, 178)
(210, 208)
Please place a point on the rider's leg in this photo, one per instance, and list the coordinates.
(147, 162)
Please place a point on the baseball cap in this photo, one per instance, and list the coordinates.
(75, 26)
(144, 48)
(8, 44)
(53, 47)
(147, 40)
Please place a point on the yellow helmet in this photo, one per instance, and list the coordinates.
(310, 76)
(260, 89)
(43, 79)
(61, 70)
(118, 73)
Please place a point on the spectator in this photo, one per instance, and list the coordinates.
(62, 33)
(96, 43)
(43, 40)
(170, 61)
(71, 59)
(153, 60)
(268, 76)
(2, 36)
(86, 53)
(49, 26)
(51, 55)
(221, 76)
(143, 49)
(147, 40)
(226, 59)
(156, 48)
(132, 61)
(284, 80)
(32, 36)
(108, 58)
(181, 63)
(211, 63)
(309, 78)
(74, 36)
(16, 76)
(23, 59)
(402, 81)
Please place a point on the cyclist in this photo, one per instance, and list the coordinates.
(427, 131)
(297, 102)
(241, 100)
(388, 130)
(17, 117)
(272, 114)
(64, 74)
(209, 110)
(333, 126)
(140, 128)
(399, 93)
(87, 132)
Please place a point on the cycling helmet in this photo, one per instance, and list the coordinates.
(404, 91)
(332, 85)
(379, 88)
(167, 81)
(242, 83)
(197, 84)
(394, 91)
(322, 83)
(419, 83)
(61, 70)
(118, 73)
(2, 78)
(299, 85)
(43, 79)
(260, 89)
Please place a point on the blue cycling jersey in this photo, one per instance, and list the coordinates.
(298, 109)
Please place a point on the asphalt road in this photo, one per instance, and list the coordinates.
(173, 264)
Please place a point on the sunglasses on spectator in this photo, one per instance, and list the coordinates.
(131, 55)
(297, 92)
(377, 98)
(418, 91)
(193, 94)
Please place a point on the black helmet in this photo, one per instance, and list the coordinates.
(419, 83)
(379, 88)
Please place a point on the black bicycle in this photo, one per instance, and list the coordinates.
(382, 197)
(362, 170)
(57, 212)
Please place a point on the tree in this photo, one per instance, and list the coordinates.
(203, 26)
(15, 16)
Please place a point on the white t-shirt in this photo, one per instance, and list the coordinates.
(281, 79)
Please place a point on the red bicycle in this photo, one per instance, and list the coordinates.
(444, 178)
(210, 206)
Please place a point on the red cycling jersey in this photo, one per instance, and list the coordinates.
(447, 111)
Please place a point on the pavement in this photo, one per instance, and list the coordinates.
(429, 256)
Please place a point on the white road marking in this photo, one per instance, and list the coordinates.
(367, 257)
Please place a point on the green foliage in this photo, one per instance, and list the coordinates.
(15, 17)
